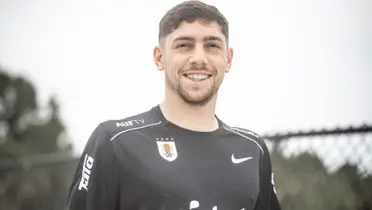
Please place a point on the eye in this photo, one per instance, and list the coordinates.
(184, 45)
(212, 45)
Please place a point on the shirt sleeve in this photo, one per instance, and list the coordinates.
(267, 198)
(94, 185)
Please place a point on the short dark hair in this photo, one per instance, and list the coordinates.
(190, 11)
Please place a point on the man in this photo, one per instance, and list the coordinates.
(178, 155)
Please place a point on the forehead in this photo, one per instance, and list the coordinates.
(197, 30)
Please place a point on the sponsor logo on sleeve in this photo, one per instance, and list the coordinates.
(273, 182)
(87, 167)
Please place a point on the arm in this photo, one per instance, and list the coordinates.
(95, 185)
(267, 199)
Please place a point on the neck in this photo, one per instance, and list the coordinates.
(196, 118)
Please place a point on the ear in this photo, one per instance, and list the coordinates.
(230, 55)
(158, 58)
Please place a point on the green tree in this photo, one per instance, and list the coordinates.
(303, 182)
(26, 130)
(360, 185)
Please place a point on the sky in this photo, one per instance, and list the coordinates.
(298, 64)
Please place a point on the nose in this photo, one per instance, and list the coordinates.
(199, 56)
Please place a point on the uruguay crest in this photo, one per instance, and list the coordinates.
(167, 149)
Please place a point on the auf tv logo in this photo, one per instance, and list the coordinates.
(130, 123)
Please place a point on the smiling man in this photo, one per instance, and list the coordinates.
(178, 155)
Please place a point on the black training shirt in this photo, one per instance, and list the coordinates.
(145, 162)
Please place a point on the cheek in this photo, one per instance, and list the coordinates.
(175, 63)
(171, 70)
(219, 64)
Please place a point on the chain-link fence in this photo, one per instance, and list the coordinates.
(37, 182)
(317, 170)
(323, 169)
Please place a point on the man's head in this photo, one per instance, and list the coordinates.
(193, 51)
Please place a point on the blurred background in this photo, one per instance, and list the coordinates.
(301, 78)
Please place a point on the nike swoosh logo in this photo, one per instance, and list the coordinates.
(239, 160)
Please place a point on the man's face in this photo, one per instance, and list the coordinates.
(195, 58)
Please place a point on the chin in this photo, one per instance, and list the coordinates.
(196, 99)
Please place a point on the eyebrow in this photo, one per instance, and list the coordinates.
(189, 38)
(213, 38)
(184, 38)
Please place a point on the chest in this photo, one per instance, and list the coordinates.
(210, 171)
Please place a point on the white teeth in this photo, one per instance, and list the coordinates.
(197, 76)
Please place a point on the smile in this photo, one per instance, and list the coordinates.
(197, 77)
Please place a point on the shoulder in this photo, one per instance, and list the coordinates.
(246, 132)
(116, 127)
(249, 135)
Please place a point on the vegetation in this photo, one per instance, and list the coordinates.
(303, 182)
(27, 130)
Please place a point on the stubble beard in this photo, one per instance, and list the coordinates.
(183, 94)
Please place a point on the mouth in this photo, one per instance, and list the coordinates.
(197, 77)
